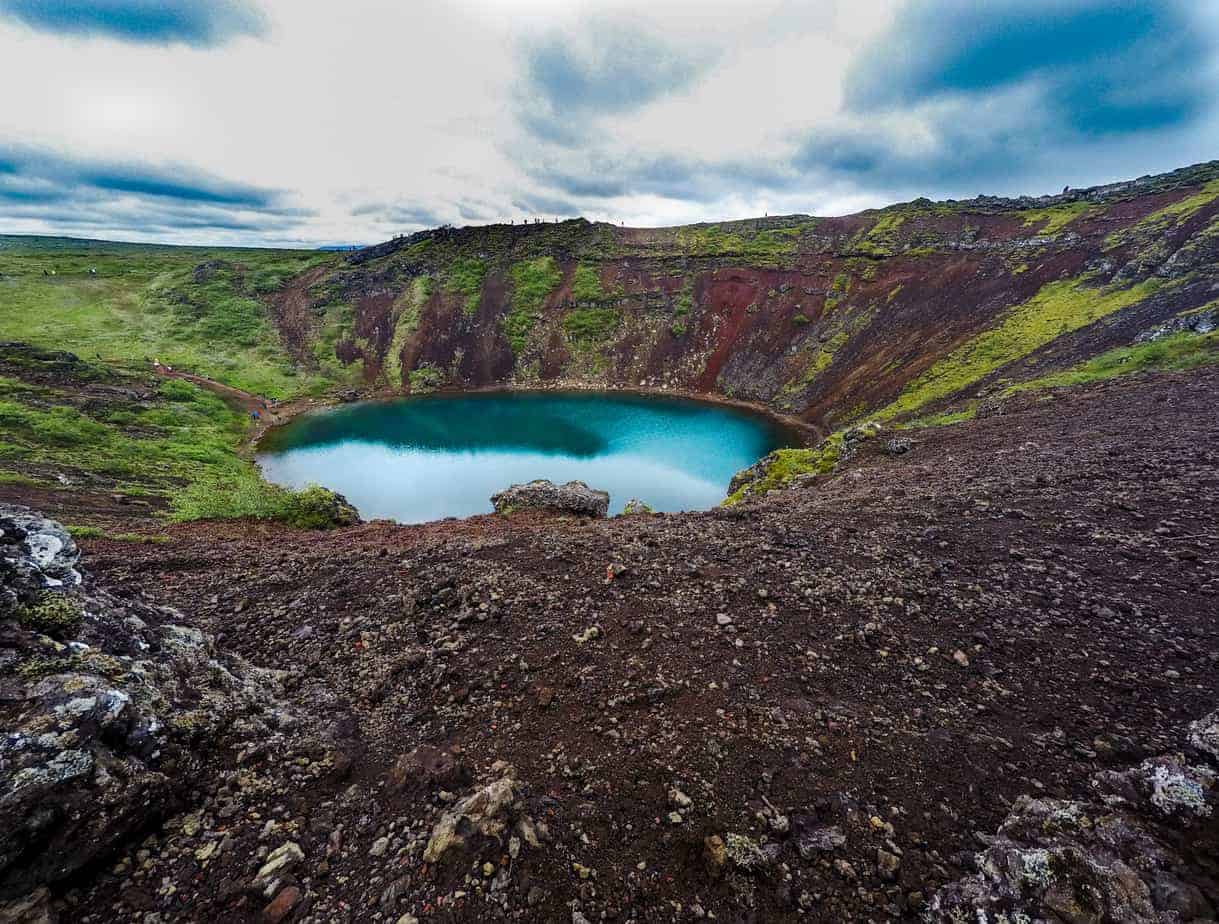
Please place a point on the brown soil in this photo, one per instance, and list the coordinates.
(914, 642)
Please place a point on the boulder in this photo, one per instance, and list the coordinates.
(574, 497)
(1116, 857)
(108, 707)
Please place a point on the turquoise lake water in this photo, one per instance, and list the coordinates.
(425, 458)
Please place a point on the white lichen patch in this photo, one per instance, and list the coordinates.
(1174, 791)
(1036, 868)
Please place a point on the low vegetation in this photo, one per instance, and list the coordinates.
(586, 284)
(1175, 353)
(130, 304)
(1059, 308)
(591, 325)
(783, 466)
(465, 277)
(168, 440)
(532, 281)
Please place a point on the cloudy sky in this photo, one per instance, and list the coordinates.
(312, 121)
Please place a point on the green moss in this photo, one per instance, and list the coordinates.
(1178, 211)
(800, 319)
(947, 418)
(1054, 218)
(464, 277)
(880, 240)
(677, 328)
(785, 465)
(762, 247)
(839, 289)
(532, 281)
(408, 307)
(586, 284)
(37, 666)
(140, 538)
(425, 379)
(249, 496)
(1059, 308)
(685, 299)
(591, 325)
(85, 532)
(54, 614)
(1177, 352)
(16, 478)
(315, 507)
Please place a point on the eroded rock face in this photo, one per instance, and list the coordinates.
(106, 708)
(574, 497)
(1112, 859)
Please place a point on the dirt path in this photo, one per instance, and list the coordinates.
(270, 414)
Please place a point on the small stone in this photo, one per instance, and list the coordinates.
(379, 846)
(723, 619)
(961, 658)
(888, 864)
(714, 851)
(845, 870)
(280, 860)
(282, 905)
(588, 635)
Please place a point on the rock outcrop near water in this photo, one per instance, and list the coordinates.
(574, 497)
(107, 707)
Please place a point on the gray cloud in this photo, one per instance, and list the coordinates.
(48, 186)
(1102, 66)
(1010, 92)
(201, 23)
(604, 68)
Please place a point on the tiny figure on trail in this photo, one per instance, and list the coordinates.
(254, 414)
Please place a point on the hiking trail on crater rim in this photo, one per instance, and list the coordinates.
(955, 659)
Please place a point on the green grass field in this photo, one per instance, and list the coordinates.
(130, 303)
(118, 307)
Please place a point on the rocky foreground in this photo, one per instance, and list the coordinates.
(973, 681)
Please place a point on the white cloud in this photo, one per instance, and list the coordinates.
(417, 108)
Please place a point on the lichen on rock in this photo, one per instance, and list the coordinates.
(574, 497)
(110, 727)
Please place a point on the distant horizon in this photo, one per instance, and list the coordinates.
(338, 247)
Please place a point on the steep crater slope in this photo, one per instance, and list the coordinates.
(901, 311)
